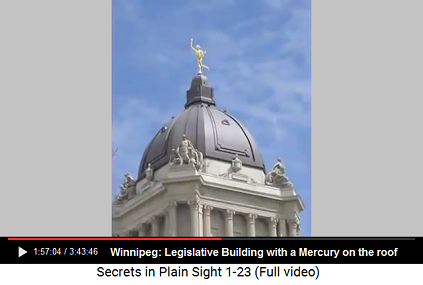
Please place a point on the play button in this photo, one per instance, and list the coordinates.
(21, 252)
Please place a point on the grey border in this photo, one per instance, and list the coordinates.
(366, 118)
(55, 117)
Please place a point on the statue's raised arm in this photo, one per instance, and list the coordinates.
(192, 45)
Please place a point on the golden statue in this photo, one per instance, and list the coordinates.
(200, 55)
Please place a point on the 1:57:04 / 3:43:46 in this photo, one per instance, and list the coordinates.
(65, 251)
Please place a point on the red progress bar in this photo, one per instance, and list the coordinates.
(123, 238)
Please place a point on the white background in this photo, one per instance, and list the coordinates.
(329, 274)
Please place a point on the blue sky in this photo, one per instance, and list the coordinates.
(259, 58)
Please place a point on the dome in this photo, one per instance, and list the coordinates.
(215, 133)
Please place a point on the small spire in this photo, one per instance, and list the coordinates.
(200, 92)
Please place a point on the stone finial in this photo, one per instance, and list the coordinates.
(149, 173)
(236, 164)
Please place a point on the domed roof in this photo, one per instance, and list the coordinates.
(215, 133)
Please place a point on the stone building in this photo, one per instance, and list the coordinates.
(203, 175)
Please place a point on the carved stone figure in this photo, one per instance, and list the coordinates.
(175, 158)
(186, 154)
(278, 175)
(199, 54)
(184, 148)
(196, 158)
(123, 193)
(128, 181)
(126, 184)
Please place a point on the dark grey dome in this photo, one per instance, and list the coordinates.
(215, 133)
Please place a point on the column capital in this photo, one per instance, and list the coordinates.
(293, 222)
(252, 217)
(171, 206)
(152, 219)
(230, 213)
(273, 221)
(294, 225)
(207, 208)
(194, 203)
(140, 226)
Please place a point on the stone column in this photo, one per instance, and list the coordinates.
(154, 226)
(273, 227)
(207, 221)
(292, 227)
(200, 221)
(230, 223)
(171, 215)
(141, 230)
(282, 228)
(194, 217)
(252, 225)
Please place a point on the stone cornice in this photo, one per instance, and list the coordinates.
(187, 178)
(295, 199)
(246, 188)
(240, 208)
(146, 219)
(139, 199)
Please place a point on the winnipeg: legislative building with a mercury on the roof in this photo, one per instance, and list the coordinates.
(202, 174)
